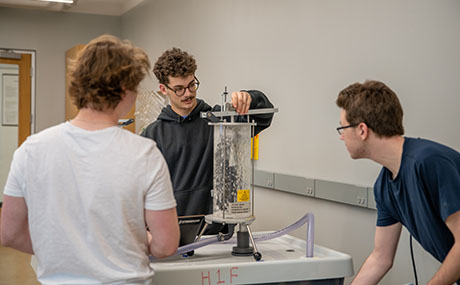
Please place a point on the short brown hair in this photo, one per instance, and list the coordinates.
(103, 68)
(175, 63)
(374, 104)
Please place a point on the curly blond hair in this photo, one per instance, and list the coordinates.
(103, 68)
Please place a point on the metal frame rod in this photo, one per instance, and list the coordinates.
(202, 232)
(234, 113)
(252, 239)
(224, 153)
(252, 162)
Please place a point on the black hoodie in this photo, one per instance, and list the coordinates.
(187, 145)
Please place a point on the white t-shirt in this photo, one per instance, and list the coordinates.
(86, 192)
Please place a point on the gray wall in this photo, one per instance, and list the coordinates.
(302, 53)
(50, 34)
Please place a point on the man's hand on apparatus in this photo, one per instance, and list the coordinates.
(241, 102)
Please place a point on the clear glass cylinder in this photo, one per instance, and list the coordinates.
(232, 171)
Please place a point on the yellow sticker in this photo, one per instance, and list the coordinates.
(243, 195)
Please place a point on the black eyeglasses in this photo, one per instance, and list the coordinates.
(341, 129)
(180, 90)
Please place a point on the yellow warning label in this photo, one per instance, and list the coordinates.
(243, 195)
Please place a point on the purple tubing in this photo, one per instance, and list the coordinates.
(308, 218)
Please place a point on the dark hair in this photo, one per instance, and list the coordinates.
(175, 63)
(374, 104)
(103, 68)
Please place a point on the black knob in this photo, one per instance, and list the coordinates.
(190, 253)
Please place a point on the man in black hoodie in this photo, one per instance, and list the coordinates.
(185, 139)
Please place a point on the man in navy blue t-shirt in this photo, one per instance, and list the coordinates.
(418, 186)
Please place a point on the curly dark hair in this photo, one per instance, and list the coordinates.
(103, 68)
(175, 63)
(374, 104)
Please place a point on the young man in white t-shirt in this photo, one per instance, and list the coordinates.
(80, 195)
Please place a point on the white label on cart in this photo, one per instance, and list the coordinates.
(239, 208)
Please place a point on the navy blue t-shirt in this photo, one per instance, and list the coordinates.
(424, 193)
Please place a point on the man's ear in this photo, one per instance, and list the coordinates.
(163, 89)
(363, 130)
(123, 94)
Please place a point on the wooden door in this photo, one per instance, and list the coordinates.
(24, 105)
(15, 100)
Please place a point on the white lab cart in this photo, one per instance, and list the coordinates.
(283, 262)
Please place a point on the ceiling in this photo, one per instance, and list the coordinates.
(100, 7)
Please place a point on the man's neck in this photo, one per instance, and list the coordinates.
(388, 152)
(90, 119)
(180, 112)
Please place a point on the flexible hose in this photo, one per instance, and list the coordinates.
(309, 217)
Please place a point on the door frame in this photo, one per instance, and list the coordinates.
(33, 72)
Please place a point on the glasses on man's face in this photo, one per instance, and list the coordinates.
(340, 130)
(180, 90)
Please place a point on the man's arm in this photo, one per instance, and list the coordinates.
(381, 259)
(449, 272)
(253, 99)
(164, 229)
(14, 224)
